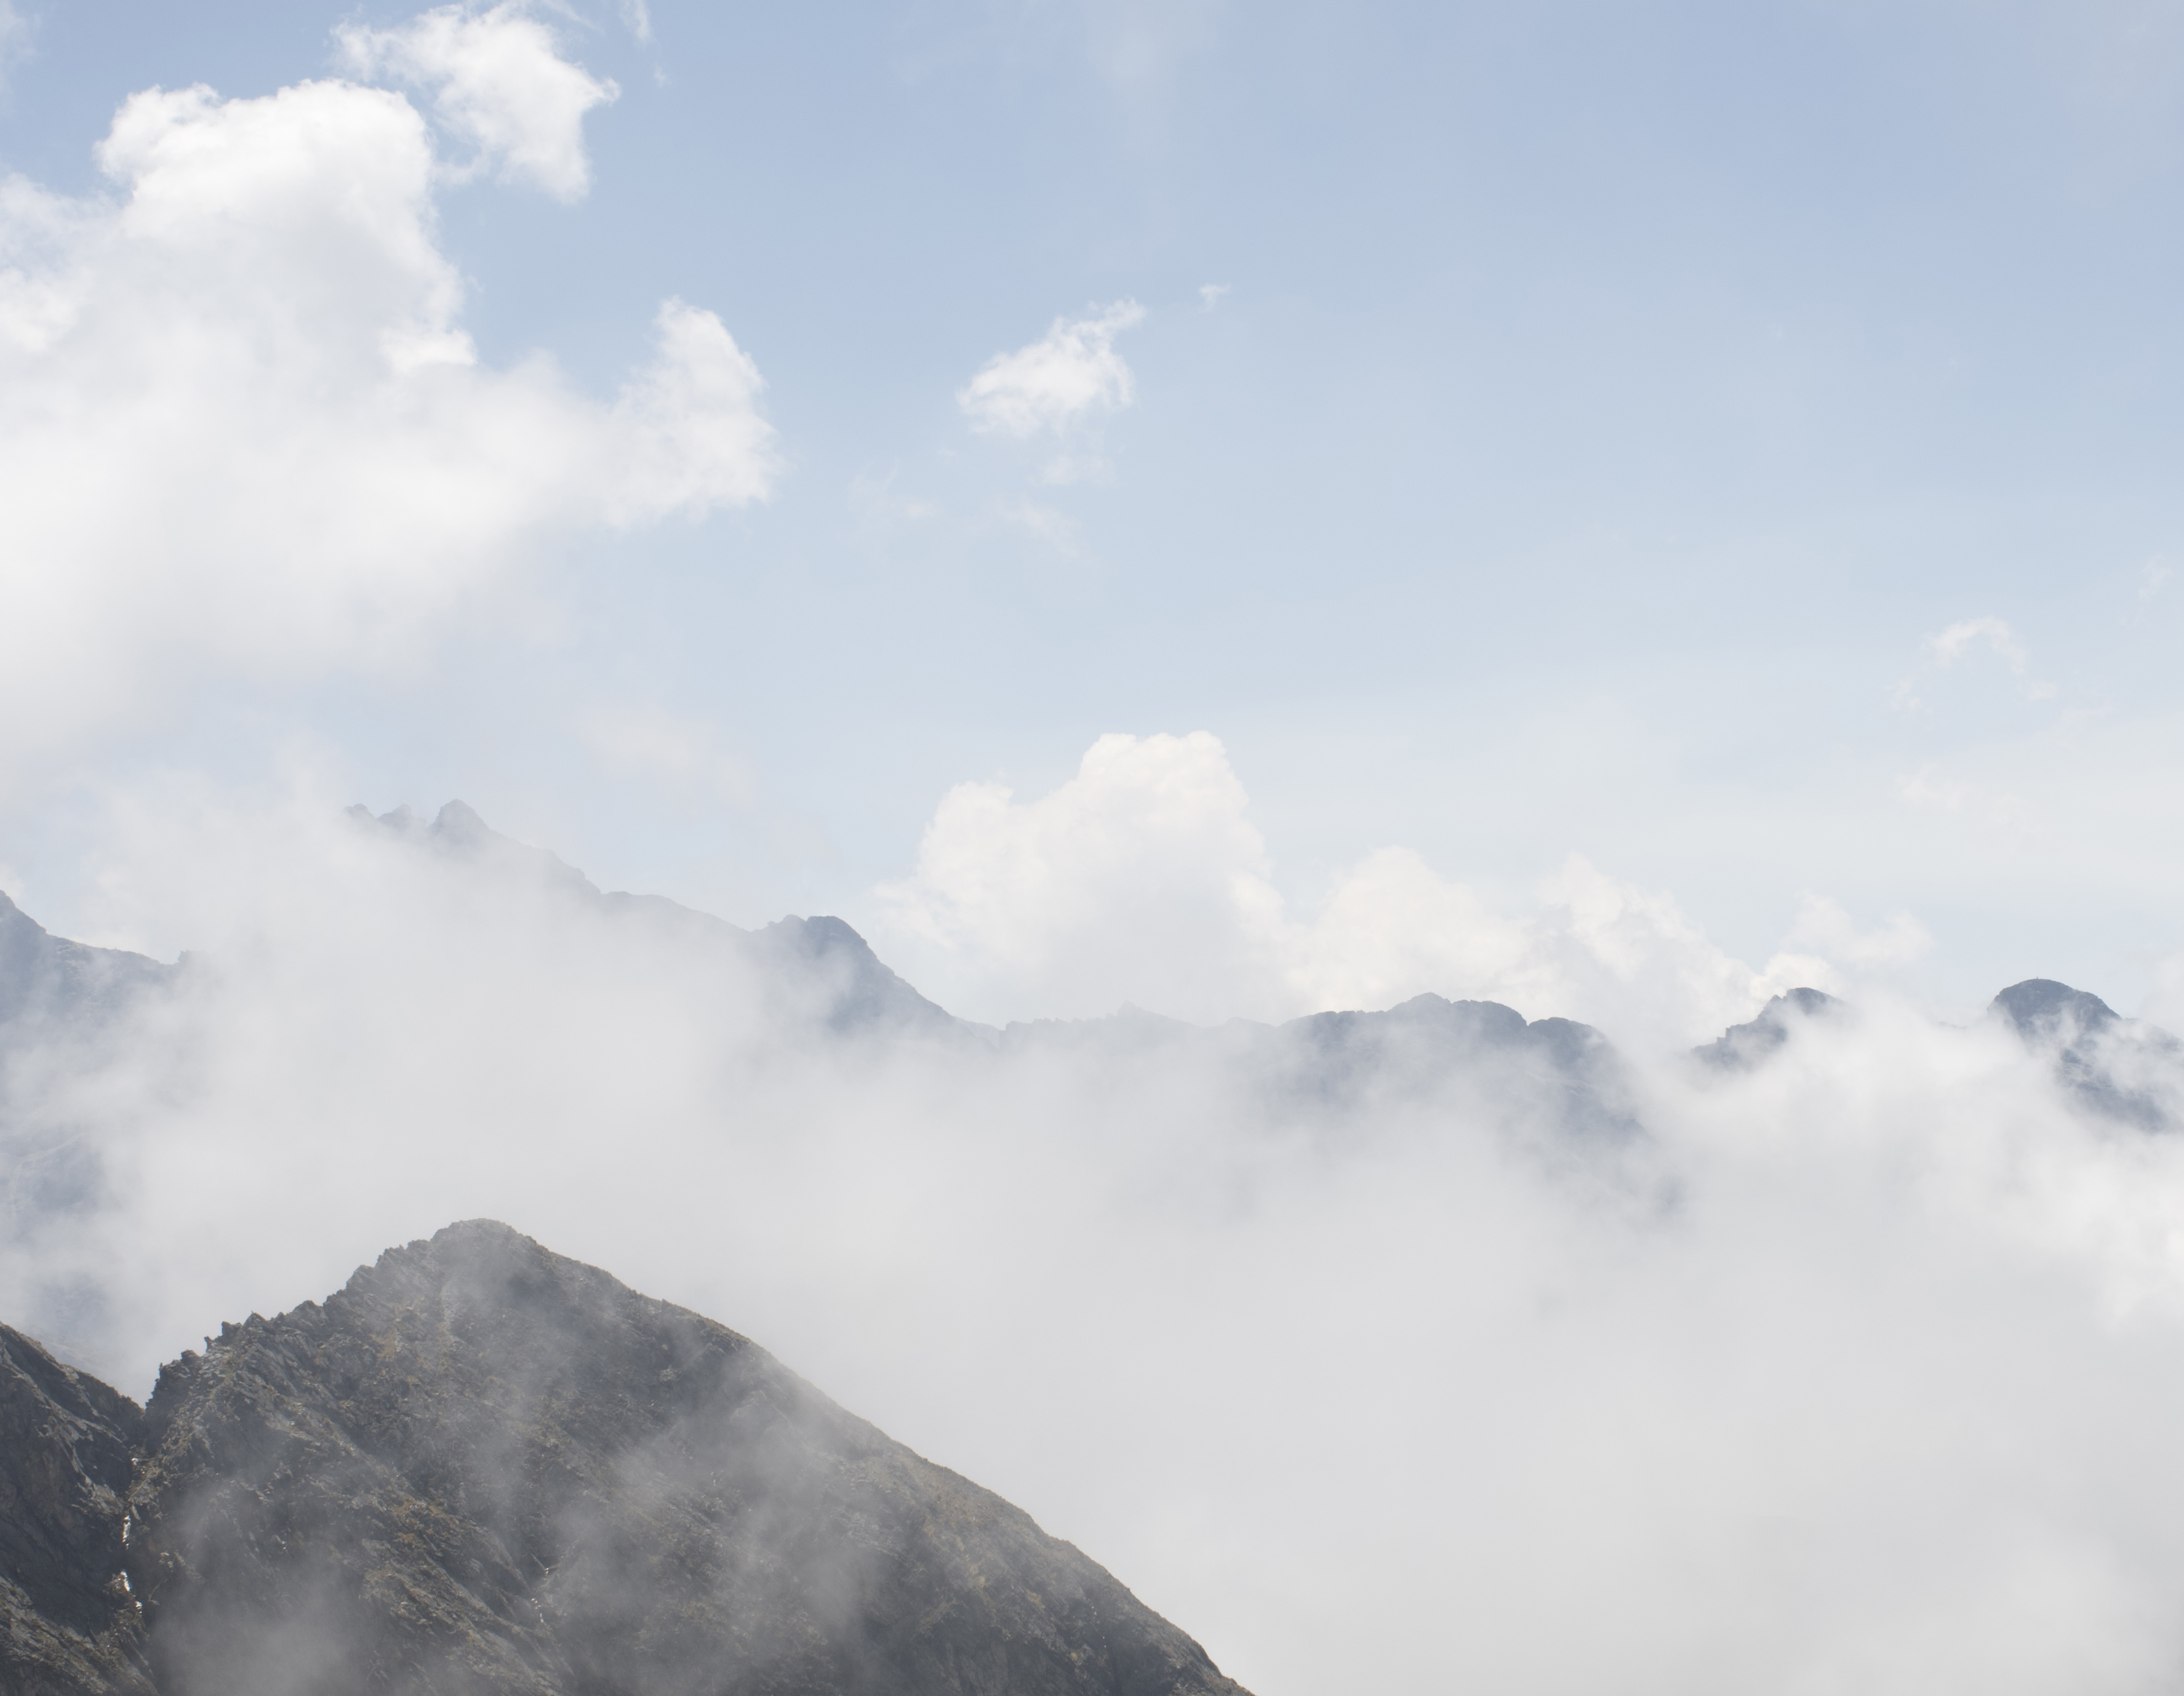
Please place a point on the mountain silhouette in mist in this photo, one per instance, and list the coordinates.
(48, 982)
(1743, 1047)
(481, 1468)
(2122, 1068)
(819, 967)
(2119, 1068)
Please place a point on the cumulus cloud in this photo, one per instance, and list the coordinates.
(499, 83)
(1140, 878)
(1143, 880)
(1827, 926)
(243, 429)
(1070, 374)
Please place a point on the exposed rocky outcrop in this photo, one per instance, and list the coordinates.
(68, 1625)
(481, 1468)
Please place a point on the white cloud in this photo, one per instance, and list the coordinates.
(1139, 878)
(689, 429)
(243, 432)
(1070, 374)
(1143, 880)
(1211, 293)
(1950, 646)
(637, 18)
(498, 81)
(1824, 925)
(1945, 649)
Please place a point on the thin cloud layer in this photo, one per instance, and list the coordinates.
(499, 84)
(243, 430)
(1143, 880)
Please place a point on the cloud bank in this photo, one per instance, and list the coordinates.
(1855, 1371)
(243, 432)
(1143, 880)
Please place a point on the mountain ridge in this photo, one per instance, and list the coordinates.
(482, 1469)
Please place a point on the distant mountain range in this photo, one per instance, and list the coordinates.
(824, 978)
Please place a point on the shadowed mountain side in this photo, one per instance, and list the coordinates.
(2122, 1068)
(1333, 1062)
(1742, 1046)
(482, 1468)
(68, 1627)
(818, 970)
(48, 983)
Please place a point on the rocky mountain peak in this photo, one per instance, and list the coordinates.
(482, 1469)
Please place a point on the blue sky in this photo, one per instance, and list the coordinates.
(1733, 444)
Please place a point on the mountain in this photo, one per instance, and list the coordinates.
(1743, 1047)
(2122, 1068)
(67, 1445)
(48, 983)
(2119, 1068)
(819, 970)
(1327, 1065)
(481, 1468)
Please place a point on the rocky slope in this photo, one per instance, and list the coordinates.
(67, 1622)
(482, 1468)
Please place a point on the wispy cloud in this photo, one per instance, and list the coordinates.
(1967, 636)
(1070, 374)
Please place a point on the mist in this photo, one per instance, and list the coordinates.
(1858, 1369)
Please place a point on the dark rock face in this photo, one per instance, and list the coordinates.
(2122, 1068)
(1742, 1046)
(68, 1626)
(482, 1468)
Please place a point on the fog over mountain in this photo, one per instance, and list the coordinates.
(1366, 1346)
(480, 1467)
(1305, 848)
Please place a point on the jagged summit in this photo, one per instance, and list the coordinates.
(481, 1468)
